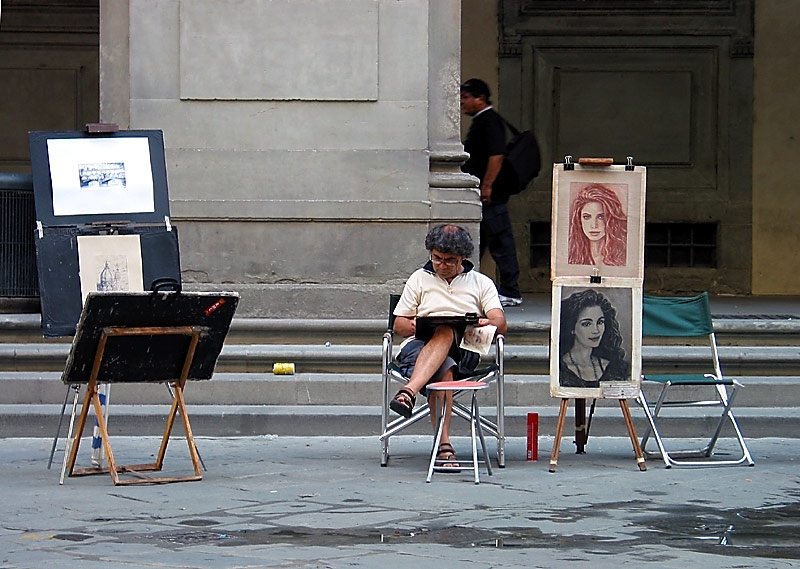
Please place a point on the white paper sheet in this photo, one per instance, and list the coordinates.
(478, 338)
(100, 176)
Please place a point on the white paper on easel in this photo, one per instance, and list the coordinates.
(478, 338)
(100, 176)
(109, 263)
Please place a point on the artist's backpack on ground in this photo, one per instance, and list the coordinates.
(521, 163)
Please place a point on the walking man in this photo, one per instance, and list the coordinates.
(486, 143)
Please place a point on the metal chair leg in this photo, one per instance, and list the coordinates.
(60, 421)
(477, 424)
(437, 438)
(70, 432)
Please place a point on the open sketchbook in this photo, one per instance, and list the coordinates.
(426, 325)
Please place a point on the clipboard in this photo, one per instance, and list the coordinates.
(426, 325)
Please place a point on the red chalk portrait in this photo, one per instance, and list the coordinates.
(598, 229)
(598, 222)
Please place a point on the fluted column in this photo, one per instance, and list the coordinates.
(447, 183)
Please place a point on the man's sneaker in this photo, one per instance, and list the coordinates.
(508, 301)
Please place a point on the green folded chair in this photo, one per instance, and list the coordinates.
(689, 317)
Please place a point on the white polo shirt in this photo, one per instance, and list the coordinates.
(428, 294)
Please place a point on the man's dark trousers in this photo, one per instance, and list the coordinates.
(498, 236)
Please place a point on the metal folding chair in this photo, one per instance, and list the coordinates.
(391, 372)
(689, 317)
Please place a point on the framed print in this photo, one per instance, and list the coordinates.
(81, 178)
(598, 221)
(595, 341)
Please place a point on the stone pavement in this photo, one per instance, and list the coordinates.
(325, 502)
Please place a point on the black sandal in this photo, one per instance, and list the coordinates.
(446, 458)
(403, 403)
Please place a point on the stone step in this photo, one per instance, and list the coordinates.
(320, 390)
(523, 330)
(361, 420)
(520, 359)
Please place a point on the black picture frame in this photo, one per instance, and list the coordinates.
(43, 185)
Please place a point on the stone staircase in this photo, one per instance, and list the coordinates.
(337, 385)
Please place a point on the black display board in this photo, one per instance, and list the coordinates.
(59, 280)
(106, 184)
(43, 176)
(149, 358)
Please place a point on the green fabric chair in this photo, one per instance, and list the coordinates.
(390, 372)
(689, 317)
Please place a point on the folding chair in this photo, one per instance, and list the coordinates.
(689, 317)
(391, 372)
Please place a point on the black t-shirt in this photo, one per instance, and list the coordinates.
(486, 137)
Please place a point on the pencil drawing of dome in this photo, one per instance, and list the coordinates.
(106, 281)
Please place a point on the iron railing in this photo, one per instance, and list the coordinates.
(18, 276)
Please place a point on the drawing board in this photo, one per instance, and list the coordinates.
(102, 211)
(149, 358)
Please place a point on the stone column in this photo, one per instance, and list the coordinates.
(115, 70)
(447, 184)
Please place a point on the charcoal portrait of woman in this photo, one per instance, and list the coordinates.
(590, 343)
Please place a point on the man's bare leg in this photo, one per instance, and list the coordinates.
(431, 358)
(429, 361)
(435, 404)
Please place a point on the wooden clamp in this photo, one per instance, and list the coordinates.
(595, 161)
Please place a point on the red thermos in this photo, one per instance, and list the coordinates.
(533, 436)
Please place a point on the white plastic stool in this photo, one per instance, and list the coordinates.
(474, 420)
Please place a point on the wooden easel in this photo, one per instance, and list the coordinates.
(178, 406)
(581, 425)
(582, 433)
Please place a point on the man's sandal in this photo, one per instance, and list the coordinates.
(446, 458)
(403, 403)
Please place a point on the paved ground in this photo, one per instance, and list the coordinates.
(326, 502)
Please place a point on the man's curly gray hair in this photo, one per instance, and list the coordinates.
(450, 239)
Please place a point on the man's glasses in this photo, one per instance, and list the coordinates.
(448, 262)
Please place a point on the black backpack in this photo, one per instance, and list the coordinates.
(521, 162)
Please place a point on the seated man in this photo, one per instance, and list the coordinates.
(447, 285)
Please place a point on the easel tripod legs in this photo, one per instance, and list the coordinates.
(76, 388)
(562, 414)
(70, 433)
(92, 397)
(637, 450)
(172, 394)
(626, 413)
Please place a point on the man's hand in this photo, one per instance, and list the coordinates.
(405, 325)
(486, 193)
(492, 170)
(496, 317)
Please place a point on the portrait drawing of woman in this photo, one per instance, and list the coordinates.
(590, 343)
(598, 228)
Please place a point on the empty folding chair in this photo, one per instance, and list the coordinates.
(689, 317)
